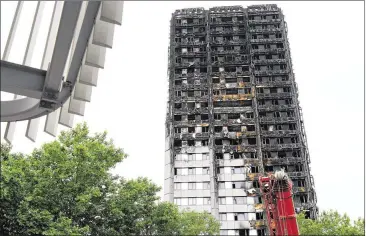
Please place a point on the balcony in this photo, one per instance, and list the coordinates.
(202, 33)
(236, 148)
(189, 43)
(228, 42)
(269, 40)
(267, 50)
(232, 122)
(282, 161)
(190, 64)
(232, 109)
(191, 53)
(265, 120)
(182, 25)
(226, 52)
(232, 97)
(264, 21)
(191, 136)
(278, 133)
(235, 135)
(271, 72)
(267, 30)
(228, 32)
(191, 149)
(268, 9)
(269, 61)
(274, 83)
(232, 74)
(190, 75)
(185, 123)
(196, 86)
(228, 22)
(276, 107)
(281, 146)
(274, 95)
(236, 62)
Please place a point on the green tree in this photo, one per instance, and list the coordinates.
(64, 188)
(194, 223)
(331, 223)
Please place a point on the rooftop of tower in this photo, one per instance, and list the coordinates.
(223, 9)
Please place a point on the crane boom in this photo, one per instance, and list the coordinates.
(277, 196)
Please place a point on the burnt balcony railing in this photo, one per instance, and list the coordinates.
(274, 83)
(279, 133)
(228, 122)
(182, 123)
(229, 42)
(274, 95)
(228, 22)
(252, 10)
(182, 25)
(235, 135)
(269, 61)
(190, 43)
(281, 146)
(236, 62)
(190, 53)
(190, 136)
(201, 33)
(244, 73)
(276, 120)
(266, 30)
(232, 97)
(191, 64)
(227, 31)
(269, 40)
(267, 50)
(189, 75)
(225, 52)
(275, 107)
(189, 110)
(282, 160)
(196, 98)
(237, 148)
(271, 72)
(264, 21)
(232, 85)
(184, 87)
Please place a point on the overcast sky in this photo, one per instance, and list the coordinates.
(129, 102)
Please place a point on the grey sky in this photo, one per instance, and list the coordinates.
(326, 40)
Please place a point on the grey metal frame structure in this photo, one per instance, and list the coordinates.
(75, 49)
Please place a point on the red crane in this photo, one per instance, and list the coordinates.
(277, 197)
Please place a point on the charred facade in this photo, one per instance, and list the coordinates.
(233, 113)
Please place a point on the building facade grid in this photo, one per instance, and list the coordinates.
(233, 114)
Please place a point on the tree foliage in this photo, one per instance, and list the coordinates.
(64, 188)
(331, 223)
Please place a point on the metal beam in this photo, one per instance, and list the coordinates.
(33, 124)
(10, 126)
(22, 80)
(29, 108)
(65, 34)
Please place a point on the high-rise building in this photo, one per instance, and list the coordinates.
(233, 114)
